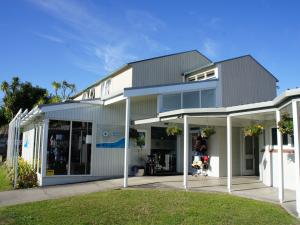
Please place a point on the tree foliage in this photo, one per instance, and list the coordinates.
(18, 95)
(24, 95)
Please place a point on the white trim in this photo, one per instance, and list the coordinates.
(297, 153)
(145, 121)
(44, 148)
(114, 100)
(229, 154)
(185, 152)
(126, 149)
(280, 161)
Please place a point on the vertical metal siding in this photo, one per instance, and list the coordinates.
(244, 81)
(166, 70)
(108, 162)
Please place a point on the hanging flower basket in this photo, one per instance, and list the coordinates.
(285, 125)
(207, 132)
(173, 130)
(253, 130)
(133, 133)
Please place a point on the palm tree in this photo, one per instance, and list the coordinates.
(56, 86)
(15, 83)
(5, 87)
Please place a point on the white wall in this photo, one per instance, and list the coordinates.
(118, 82)
(236, 151)
(269, 164)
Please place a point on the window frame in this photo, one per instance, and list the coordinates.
(69, 164)
(205, 75)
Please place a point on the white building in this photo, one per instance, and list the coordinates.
(87, 138)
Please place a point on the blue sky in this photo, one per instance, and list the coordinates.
(81, 41)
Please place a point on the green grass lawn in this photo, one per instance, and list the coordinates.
(147, 207)
(4, 181)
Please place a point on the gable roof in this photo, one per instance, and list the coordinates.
(128, 65)
(230, 59)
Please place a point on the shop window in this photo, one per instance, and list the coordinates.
(61, 147)
(81, 148)
(58, 147)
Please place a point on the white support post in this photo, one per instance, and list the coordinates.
(127, 124)
(297, 153)
(229, 154)
(17, 141)
(185, 152)
(44, 149)
(280, 161)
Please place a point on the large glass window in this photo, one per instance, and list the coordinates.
(171, 102)
(81, 148)
(208, 98)
(191, 99)
(58, 147)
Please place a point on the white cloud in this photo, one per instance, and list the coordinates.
(50, 37)
(210, 48)
(86, 31)
(113, 56)
(143, 20)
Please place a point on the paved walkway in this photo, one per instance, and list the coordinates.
(242, 186)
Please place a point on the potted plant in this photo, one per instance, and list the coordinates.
(253, 130)
(173, 130)
(285, 125)
(207, 132)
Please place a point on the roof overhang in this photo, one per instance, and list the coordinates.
(41, 109)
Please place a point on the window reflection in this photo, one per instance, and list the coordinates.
(58, 147)
(81, 147)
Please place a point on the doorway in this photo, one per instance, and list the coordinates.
(250, 156)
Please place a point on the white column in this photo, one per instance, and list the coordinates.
(185, 152)
(229, 154)
(297, 154)
(280, 161)
(44, 140)
(127, 124)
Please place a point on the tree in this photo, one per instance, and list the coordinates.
(20, 95)
(67, 89)
(56, 86)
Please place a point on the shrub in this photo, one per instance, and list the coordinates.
(27, 177)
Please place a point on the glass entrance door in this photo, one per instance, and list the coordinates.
(250, 147)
